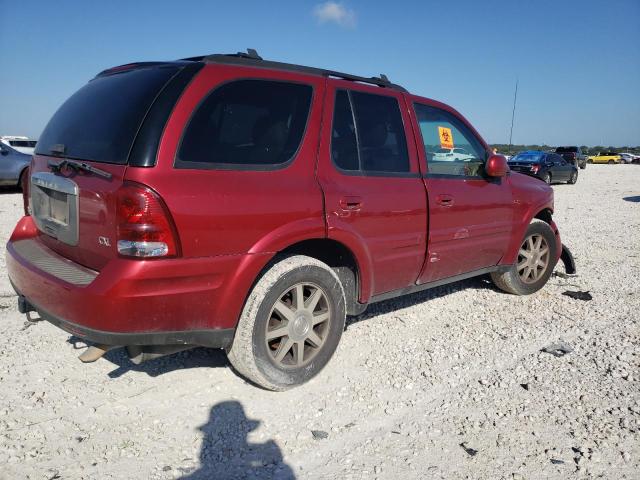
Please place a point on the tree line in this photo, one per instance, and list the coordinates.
(513, 149)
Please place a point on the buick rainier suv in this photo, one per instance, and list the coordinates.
(232, 202)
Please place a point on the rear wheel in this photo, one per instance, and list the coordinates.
(546, 178)
(291, 324)
(574, 178)
(22, 178)
(611, 162)
(537, 258)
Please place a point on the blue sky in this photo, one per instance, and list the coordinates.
(578, 61)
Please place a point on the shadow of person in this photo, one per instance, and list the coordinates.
(227, 454)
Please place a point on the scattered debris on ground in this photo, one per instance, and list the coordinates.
(578, 295)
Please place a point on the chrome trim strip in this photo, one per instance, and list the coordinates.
(54, 182)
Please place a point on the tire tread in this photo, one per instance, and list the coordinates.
(241, 354)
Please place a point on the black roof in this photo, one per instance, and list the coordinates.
(252, 59)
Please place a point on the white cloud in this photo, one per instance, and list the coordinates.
(337, 13)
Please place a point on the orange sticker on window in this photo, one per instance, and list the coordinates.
(446, 137)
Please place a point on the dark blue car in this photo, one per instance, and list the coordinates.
(548, 167)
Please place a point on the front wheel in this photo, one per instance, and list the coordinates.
(291, 324)
(537, 258)
(574, 178)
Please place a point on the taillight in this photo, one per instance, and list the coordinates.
(24, 185)
(535, 168)
(145, 228)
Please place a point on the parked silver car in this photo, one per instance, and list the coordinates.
(13, 165)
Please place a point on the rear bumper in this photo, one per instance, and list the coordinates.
(215, 338)
(131, 302)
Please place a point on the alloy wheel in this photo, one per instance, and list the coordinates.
(533, 258)
(298, 325)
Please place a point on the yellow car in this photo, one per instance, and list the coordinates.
(604, 157)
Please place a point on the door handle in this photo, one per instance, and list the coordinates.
(444, 200)
(351, 203)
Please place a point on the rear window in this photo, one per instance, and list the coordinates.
(23, 143)
(100, 121)
(247, 124)
(376, 142)
(527, 158)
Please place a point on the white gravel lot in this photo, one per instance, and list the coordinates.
(413, 379)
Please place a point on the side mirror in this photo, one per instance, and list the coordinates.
(496, 166)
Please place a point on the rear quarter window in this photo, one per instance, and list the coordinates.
(100, 121)
(246, 124)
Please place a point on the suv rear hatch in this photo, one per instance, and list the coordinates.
(570, 154)
(81, 158)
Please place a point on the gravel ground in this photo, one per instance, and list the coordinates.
(448, 383)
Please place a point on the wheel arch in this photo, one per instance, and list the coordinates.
(544, 213)
(341, 259)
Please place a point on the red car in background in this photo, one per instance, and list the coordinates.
(232, 202)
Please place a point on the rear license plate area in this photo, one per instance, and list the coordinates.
(54, 206)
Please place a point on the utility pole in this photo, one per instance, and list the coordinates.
(513, 113)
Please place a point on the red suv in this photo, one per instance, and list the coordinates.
(231, 202)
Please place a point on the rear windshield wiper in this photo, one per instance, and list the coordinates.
(56, 167)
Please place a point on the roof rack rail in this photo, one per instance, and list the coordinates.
(251, 58)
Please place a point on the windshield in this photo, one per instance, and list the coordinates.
(23, 143)
(527, 158)
(100, 121)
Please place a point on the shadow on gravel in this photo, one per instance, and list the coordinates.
(211, 357)
(634, 199)
(477, 283)
(193, 358)
(227, 453)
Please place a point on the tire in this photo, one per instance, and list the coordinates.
(512, 281)
(255, 356)
(574, 178)
(21, 178)
(589, 161)
(583, 165)
(546, 178)
(611, 162)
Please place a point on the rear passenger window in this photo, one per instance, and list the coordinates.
(368, 134)
(450, 147)
(246, 124)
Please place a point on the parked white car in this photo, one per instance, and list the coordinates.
(19, 143)
(452, 155)
(626, 157)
